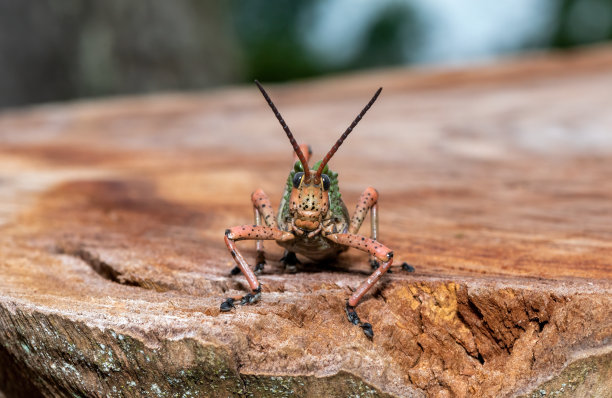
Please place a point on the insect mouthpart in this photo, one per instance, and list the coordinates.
(307, 225)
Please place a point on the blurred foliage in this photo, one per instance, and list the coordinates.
(389, 38)
(270, 40)
(53, 50)
(582, 22)
(273, 48)
(57, 50)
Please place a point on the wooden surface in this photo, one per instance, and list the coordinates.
(495, 184)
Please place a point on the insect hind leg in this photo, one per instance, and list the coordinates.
(381, 253)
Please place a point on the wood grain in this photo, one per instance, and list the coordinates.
(494, 184)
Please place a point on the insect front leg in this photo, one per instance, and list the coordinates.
(249, 232)
(381, 253)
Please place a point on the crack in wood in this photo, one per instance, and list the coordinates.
(100, 267)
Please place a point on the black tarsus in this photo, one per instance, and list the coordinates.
(374, 264)
(352, 314)
(260, 262)
(367, 329)
(354, 319)
(407, 267)
(227, 305)
(248, 298)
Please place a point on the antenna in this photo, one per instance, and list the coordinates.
(295, 145)
(333, 150)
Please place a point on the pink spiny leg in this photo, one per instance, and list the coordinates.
(379, 252)
(367, 201)
(263, 212)
(249, 232)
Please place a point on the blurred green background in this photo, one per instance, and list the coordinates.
(69, 49)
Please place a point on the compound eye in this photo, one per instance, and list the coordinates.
(297, 178)
(326, 182)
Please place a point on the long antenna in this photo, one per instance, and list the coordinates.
(295, 145)
(343, 136)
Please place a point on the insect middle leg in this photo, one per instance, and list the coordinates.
(249, 232)
(367, 201)
(377, 250)
(263, 215)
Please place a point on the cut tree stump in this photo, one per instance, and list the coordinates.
(495, 184)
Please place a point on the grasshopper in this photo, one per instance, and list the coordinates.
(312, 221)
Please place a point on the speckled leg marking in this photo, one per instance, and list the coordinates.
(379, 252)
(249, 232)
(263, 212)
(367, 201)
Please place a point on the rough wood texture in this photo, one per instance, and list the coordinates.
(495, 184)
